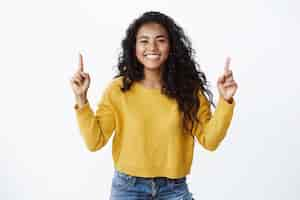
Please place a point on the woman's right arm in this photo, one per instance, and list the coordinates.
(96, 129)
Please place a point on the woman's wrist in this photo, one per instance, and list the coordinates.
(228, 100)
(81, 100)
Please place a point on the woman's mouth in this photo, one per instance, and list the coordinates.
(152, 56)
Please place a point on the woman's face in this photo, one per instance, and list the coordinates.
(152, 45)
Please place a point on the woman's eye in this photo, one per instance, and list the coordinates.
(143, 41)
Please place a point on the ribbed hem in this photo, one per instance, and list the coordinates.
(153, 172)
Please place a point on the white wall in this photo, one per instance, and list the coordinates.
(42, 155)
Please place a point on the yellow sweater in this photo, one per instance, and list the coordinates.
(148, 136)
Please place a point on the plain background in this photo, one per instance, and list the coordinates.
(42, 155)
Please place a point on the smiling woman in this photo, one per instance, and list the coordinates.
(157, 104)
(152, 46)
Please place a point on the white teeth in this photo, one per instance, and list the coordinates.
(152, 56)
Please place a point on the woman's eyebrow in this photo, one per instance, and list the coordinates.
(147, 37)
(161, 36)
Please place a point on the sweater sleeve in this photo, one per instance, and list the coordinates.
(96, 128)
(212, 128)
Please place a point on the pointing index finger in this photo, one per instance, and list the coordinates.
(227, 64)
(80, 63)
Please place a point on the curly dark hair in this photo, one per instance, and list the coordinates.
(181, 76)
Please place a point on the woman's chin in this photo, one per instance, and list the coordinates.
(152, 68)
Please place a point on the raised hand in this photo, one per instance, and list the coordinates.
(226, 85)
(80, 82)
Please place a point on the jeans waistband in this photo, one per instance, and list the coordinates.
(158, 180)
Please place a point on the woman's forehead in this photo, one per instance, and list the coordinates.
(152, 30)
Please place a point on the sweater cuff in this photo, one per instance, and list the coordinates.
(83, 108)
(225, 104)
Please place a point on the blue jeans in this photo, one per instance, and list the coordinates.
(126, 187)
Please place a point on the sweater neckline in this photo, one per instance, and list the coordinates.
(146, 89)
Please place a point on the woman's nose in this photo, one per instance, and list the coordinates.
(152, 46)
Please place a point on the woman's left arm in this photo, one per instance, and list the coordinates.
(213, 127)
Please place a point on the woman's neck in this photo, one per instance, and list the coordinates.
(152, 79)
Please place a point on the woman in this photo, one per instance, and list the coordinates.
(156, 105)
